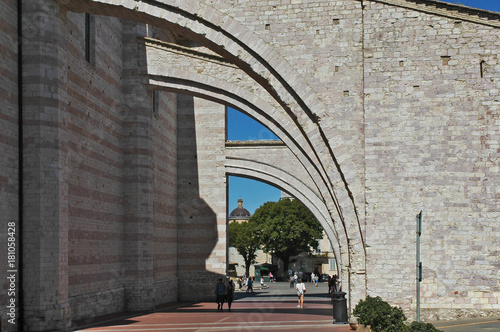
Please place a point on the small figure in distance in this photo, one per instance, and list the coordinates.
(329, 284)
(230, 294)
(240, 283)
(262, 284)
(220, 293)
(333, 287)
(250, 285)
(301, 290)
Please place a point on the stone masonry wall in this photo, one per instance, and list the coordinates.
(94, 166)
(201, 197)
(322, 40)
(123, 199)
(165, 198)
(9, 183)
(432, 133)
(45, 186)
(106, 172)
(407, 96)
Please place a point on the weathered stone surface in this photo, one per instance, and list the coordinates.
(9, 161)
(386, 108)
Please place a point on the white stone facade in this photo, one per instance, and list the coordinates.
(385, 107)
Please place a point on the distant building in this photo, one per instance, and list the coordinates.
(320, 261)
(240, 213)
(236, 262)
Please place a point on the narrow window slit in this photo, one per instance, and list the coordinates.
(156, 102)
(89, 38)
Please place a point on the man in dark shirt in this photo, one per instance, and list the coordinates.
(220, 292)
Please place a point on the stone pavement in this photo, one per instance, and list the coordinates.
(273, 308)
(486, 324)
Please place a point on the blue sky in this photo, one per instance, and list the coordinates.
(493, 5)
(254, 193)
(242, 127)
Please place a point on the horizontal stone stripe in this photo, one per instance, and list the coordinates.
(85, 171)
(9, 141)
(91, 278)
(95, 195)
(83, 214)
(93, 235)
(94, 129)
(165, 270)
(91, 261)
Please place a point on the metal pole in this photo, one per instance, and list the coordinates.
(419, 264)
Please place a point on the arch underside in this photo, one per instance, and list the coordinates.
(253, 77)
(293, 185)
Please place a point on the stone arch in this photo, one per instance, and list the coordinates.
(297, 188)
(298, 103)
(272, 174)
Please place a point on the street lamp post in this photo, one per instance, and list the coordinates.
(419, 263)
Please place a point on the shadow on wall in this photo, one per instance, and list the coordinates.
(197, 222)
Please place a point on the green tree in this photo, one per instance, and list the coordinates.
(243, 236)
(286, 228)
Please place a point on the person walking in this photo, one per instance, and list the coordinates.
(250, 285)
(333, 287)
(230, 294)
(240, 283)
(220, 293)
(301, 290)
(329, 284)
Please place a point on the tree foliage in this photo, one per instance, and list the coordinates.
(380, 315)
(422, 327)
(286, 228)
(243, 237)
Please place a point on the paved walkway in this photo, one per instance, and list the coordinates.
(274, 308)
(486, 324)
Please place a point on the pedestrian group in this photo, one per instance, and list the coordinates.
(225, 293)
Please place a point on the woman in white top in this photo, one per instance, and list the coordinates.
(301, 289)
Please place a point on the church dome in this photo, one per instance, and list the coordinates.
(240, 213)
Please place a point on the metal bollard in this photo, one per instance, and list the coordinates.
(339, 308)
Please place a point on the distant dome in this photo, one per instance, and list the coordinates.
(240, 213)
